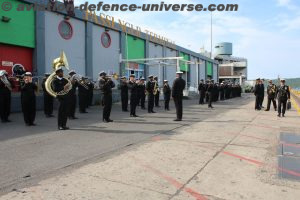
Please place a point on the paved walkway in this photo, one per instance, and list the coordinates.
(231, 154)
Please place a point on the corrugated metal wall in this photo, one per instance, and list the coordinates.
(156, 51)
(54, 43)
(170, 70)
(105, 59)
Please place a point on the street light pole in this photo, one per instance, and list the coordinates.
(211, 35)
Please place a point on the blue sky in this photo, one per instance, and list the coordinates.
(266, 32)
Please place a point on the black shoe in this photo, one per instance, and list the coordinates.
(278, 115)
(110, 120)
(32, 124)
(275, 109)
(149, 112)
(282, 115)
(65, 128)
(267, 110)
(153, 111)
(177, 120)
(61, 128)
(73, 118)
(135, 116)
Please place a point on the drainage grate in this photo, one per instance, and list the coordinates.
(289, 155)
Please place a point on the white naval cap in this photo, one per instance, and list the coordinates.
(179, 72)
(28, 74)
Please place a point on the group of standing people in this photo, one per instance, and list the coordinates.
(136, 90)
(281, 93)
(211, 92)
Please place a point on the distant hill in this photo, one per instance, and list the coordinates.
(292, 82)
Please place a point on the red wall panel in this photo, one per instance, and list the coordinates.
(17, 55)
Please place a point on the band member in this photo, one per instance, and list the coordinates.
(28, 99)
(124, 94)
(210, 88)
(48, 99)
(61, 84)
(222, 91)
(133, 88)
(201, 89)
(258, 94)
(262, 92)
(142, 92)
(177, 94)
(271, 91)
(283, 95)
(83, 96)
(91, 92)
(150, 91)
(106, 85)
(5, 96)
(72, 96)
(156, 92)
(167, 94)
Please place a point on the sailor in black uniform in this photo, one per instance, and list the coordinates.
(201, 89)
(106, 85)
(72, 96)
(133, 88)
(210, 88)
(124, 94)
(167, 94)
(142, 92)
(157, 94)
(48, 99)
(5, 96)
(28, 99)
(150, 92)
(283, 95)
(60, 84)
(177, 94)
(83, 96)
(90, 92)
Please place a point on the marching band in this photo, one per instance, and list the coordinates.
(56, 85)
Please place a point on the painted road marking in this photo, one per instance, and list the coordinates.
(171, 180)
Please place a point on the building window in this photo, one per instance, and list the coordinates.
(65, 30)
(105, 39)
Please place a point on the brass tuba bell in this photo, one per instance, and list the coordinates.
(62, 61)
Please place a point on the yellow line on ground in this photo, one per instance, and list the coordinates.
(295, 104)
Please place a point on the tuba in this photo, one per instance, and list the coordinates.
(4, 80)
(58, 62)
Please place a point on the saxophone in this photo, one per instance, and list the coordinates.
(155, 90)
(58, 62)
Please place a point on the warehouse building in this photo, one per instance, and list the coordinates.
(93, 43)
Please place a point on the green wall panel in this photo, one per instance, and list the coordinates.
(135, 48)
(209, 69)
(183, 65)
(20, 30)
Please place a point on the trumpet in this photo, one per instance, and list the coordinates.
(79, 80)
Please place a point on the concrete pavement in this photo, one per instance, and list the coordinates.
(230, 152)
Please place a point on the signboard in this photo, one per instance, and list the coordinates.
(7, 64)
